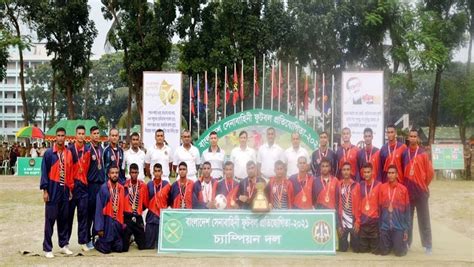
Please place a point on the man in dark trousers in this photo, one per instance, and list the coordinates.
(418, 173)
(57, 184)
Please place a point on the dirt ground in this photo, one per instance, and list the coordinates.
(22, 222)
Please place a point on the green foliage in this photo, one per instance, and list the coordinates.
(69, 34)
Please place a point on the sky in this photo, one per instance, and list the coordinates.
(103, 26)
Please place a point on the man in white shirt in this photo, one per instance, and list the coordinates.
(159, 153)
(293, 153)
(268, 154)
(34, 151)
(241, 155)
(134, 155)
(189, 154)
(215, 155)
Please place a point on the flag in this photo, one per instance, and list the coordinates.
(191, 96)
(227, 90)
(205, 90)
(235, 87)
(315, 91)
(306, 94)
(255, 80)
(242, 82)
(274, 85)
(280, 81)
(218, 94)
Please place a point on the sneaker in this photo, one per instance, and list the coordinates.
(49, 255)
(428, 251)
(65, 250)
(84, 247)
(90, 245)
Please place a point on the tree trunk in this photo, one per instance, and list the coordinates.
(26, 119)
(53, 100)
(70, 101)
(129, 112)
(434, 105)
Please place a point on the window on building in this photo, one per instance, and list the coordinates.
(10, 124)
(11, 65)
(10, 80)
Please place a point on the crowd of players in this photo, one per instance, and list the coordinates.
(373, 191)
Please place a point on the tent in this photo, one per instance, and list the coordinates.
(70, 126)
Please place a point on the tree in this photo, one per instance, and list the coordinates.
(145, 30)
(39, 94)
(458, 101)
(15, 13)
(439, 29)
(69, 34)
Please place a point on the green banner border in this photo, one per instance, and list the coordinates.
(245, 212)
(260, 117)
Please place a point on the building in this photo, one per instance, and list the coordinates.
(11, 107)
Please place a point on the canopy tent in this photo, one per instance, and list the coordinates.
(70, 126)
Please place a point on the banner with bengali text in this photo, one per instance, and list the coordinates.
(162, 97)
(288, 232)
(363, 104)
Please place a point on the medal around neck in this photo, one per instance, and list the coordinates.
(260, 202)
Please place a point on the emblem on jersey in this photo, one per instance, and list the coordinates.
(321, 232)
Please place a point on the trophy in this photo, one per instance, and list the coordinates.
(260, 202)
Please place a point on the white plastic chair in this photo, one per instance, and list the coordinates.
(4, 166)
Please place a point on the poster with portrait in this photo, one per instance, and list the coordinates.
(162, 96)
(363, 104)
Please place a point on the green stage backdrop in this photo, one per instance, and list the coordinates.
(255, 122)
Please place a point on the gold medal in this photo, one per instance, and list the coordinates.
(412, 171)
(367, 206)
(390, 208)
(99, 167)
(183, 204)
(232, 203)
(61, 173)
(326, 199)
(115, 208)
(304, 198)
(347, 205)
(80, 171)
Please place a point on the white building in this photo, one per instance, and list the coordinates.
(11, 107)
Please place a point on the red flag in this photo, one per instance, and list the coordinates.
(274, 85)
(205, 89)
(315, 91)
(218, 94)
(235, 87)
(306, 94)
(191, 95)
(255, 80)
(227, 91)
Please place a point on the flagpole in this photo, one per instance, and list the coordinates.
(233, 90)
(332, 111)
(279, 84)
(254, 72)
(198, 117)
(207, 100)
(263, 83)
(288, 90)
(315, 82)
(324, 88)
(297, 100)
(271, 94)
(190, 102)
(225, 92)
(242, 87)
(306, 96)
(215, 95)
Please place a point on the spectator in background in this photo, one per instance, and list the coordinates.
(13, 157)
(42, 149)
(34, 151)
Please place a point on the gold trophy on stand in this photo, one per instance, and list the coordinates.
(260, 202)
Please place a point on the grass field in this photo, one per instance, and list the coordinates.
(22, 222)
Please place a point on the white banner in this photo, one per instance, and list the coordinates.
(363, 105)
(162, 97)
